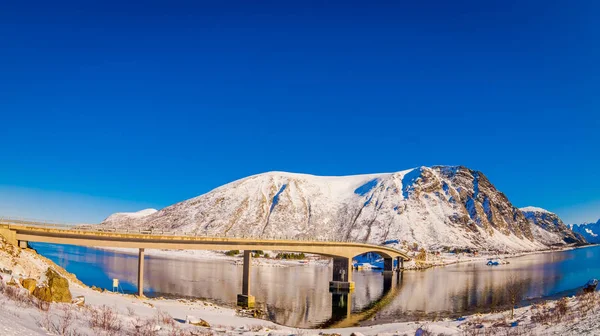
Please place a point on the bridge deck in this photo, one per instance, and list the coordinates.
(101, 237)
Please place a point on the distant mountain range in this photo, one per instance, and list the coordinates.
(590, 231)
(440, 207)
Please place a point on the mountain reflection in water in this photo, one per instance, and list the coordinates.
(299, 296)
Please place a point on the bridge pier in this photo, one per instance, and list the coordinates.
(388, 265)
(342, 275)
(23, 244)
(141, 272)
(400, 264)
(245, 299)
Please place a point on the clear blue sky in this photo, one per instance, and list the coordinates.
(116, 106)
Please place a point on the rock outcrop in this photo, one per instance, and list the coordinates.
(29, 284)
(550, 222)
(56, 288)
(435, 207)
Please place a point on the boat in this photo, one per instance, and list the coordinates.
(590, 286)
(493, 263)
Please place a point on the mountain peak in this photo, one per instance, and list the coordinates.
(436, 207)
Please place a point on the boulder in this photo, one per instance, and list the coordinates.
(43, 293)
(29, 284)
(79, 301)
(59, 286)
(196, 321)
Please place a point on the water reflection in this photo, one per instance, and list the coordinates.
(299, 296)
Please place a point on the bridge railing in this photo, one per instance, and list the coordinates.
(28, 222)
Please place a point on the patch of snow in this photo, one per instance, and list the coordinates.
(534, 209)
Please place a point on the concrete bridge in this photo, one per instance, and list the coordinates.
(20, 232)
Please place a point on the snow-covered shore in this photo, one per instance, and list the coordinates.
(581, 316)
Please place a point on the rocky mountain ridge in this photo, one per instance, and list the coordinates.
(550, 222)
(440, 207)
(590, 231)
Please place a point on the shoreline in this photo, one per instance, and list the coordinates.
(315, 260)
(484, 257)
(223, 320)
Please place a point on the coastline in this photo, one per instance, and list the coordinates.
(445, 259)
(460, 259)
(170, 314)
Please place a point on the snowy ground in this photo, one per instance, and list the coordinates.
(571, 316)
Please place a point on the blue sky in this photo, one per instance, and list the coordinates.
(111, 106)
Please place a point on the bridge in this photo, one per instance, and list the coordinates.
(20, 232)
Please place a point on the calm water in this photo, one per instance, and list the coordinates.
(299, 296)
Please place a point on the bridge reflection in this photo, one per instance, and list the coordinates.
(341, 304)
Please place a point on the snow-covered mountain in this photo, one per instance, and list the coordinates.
(550, 222)
(435, 207)
(590, 231)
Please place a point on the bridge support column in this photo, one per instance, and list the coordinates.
(23, 244)
(141, 272)
(400, 264)
(342, 275)
(245, 299)
(388, 265)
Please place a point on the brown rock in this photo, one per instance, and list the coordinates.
(79, 301)
(197, 321)
(59, 286)
(43, 293)
(29, 284)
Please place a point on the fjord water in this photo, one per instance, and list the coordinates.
(299, 296)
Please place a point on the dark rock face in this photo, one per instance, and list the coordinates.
(590, 231)
(552, 223)
(485, 206)
(435, 207)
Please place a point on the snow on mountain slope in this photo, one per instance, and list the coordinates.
(590, 231)
(534, 209)
(435, 207)
(550, 222)
(122, 218)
